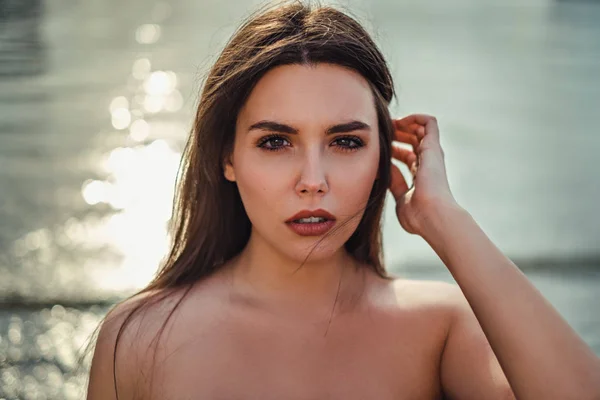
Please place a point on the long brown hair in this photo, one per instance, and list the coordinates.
(209, 223)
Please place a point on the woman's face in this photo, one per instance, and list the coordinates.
(306, 139)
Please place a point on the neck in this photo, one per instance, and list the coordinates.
(270, 278)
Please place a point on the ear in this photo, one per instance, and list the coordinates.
(228, 170)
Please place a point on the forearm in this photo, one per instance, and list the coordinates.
(541, 355)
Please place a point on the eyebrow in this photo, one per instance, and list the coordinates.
(283, 128)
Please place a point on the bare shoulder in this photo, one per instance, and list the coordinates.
(429, 293)
(429, 304)
(468, 365)
(125, 341)
(441, 300)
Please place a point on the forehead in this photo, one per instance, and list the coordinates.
(318, 93)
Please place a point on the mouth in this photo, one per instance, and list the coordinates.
(309, 220)
(311, 223)
(311, 217)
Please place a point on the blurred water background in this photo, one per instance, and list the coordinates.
(97, 96)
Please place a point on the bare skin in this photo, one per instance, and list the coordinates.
(386, 340)
(223, 344)
(263, 351)
(259, 329)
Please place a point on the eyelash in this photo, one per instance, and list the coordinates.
(358, 143)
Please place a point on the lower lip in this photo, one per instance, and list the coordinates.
(311, 229)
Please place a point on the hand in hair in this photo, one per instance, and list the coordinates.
(430, 189)
(505, 338)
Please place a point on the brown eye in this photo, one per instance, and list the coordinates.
(273, 142)
(348, 143)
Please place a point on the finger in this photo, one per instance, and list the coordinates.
(408, 138)
(432, 129)
(398, 185)
(408, 127)
(431, 140)
(414, 125)
(420, 119)
(409, 134)
(404, 155)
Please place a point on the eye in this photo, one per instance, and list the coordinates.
(348, 143)
(273, 142)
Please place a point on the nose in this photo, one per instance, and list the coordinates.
(312, 180)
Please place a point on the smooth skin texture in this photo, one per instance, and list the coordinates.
(256, 329)
(307, 170)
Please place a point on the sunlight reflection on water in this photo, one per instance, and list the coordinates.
(147, 34)
(135, 227)
(39, 352)
(138, 230)
(89, 164)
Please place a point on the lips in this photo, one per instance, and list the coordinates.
(311, 228)
(307, 214)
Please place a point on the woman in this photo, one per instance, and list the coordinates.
(275, 287)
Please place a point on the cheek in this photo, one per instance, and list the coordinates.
(354, 179)
(262, 181)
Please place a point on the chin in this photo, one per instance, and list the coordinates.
(298, 248)
(315, 251)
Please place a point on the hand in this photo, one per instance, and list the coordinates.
(430, 189)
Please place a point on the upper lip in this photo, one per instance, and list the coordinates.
(315, 213)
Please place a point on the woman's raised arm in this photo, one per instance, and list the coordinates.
(540, 354)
